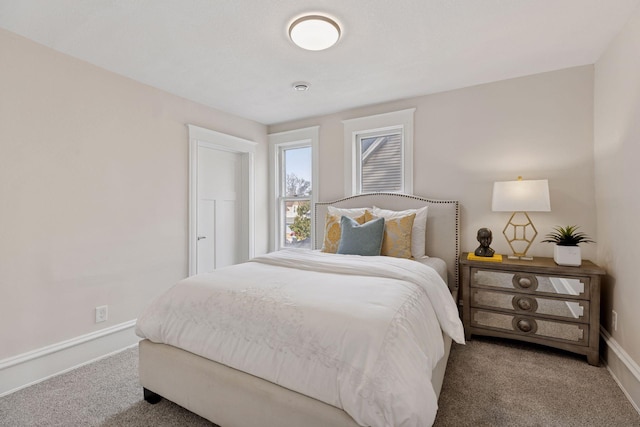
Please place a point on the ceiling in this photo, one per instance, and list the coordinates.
(235, 55)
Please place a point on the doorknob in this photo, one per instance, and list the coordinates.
(202, 237)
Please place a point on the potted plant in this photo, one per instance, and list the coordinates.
(567, 251)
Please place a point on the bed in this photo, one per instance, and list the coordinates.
(230, 397)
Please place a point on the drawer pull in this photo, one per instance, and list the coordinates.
(525, 281)
(522, 324)
(525, 303)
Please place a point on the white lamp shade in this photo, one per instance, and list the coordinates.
(521, 196)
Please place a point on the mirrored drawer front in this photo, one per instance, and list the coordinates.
(573, 333)
(528, 282)
(572, 310)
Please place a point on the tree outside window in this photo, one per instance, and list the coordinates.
(297, 197)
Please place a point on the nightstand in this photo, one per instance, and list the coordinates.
(536, 301)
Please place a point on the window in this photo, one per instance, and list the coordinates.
(295, 198)
(379, 162)
(292, 155)
(379, 153)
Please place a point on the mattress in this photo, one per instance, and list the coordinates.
(437, 264)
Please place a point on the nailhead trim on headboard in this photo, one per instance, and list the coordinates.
(319, 222)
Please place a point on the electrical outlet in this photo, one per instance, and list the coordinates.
(614, 320)
(101, 313)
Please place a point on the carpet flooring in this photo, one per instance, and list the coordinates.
(489, 382)
(494, 382)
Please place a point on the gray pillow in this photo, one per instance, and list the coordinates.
(365, 239)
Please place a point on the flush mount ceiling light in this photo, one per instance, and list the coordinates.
(314, 32)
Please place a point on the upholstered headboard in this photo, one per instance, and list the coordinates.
(443, 223)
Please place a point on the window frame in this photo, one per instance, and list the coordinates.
(390, 122)
(278, 143)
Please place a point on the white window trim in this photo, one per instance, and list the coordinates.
(394, 120)
(290, 139)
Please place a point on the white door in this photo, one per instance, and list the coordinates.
(219, 210)
(221, 199)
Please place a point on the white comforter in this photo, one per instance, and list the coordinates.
(359, 333)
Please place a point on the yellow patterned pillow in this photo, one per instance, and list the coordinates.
(397, 235)
(332, 232)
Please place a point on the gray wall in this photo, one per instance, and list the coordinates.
(617, 153)
(539, 126)
(93, 193)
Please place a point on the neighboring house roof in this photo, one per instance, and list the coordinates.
(382, 163)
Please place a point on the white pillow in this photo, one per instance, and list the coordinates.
(351, 213)
(418, 231)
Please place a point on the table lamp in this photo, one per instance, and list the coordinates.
(520, 197)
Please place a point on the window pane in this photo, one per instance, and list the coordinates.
(381, 164)
(297, 172)
(298, 224)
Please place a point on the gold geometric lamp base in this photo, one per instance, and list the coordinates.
(520, 234)
(520, 196)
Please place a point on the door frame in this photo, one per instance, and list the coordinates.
(201, 137)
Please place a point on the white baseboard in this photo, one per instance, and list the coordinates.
(623, 369)
(35, 366)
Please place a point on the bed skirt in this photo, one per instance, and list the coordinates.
(231, 398)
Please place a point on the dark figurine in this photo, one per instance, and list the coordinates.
(484, 237)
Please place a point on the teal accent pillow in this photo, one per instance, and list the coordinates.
(365, 239)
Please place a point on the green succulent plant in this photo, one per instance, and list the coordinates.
(567, 236)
